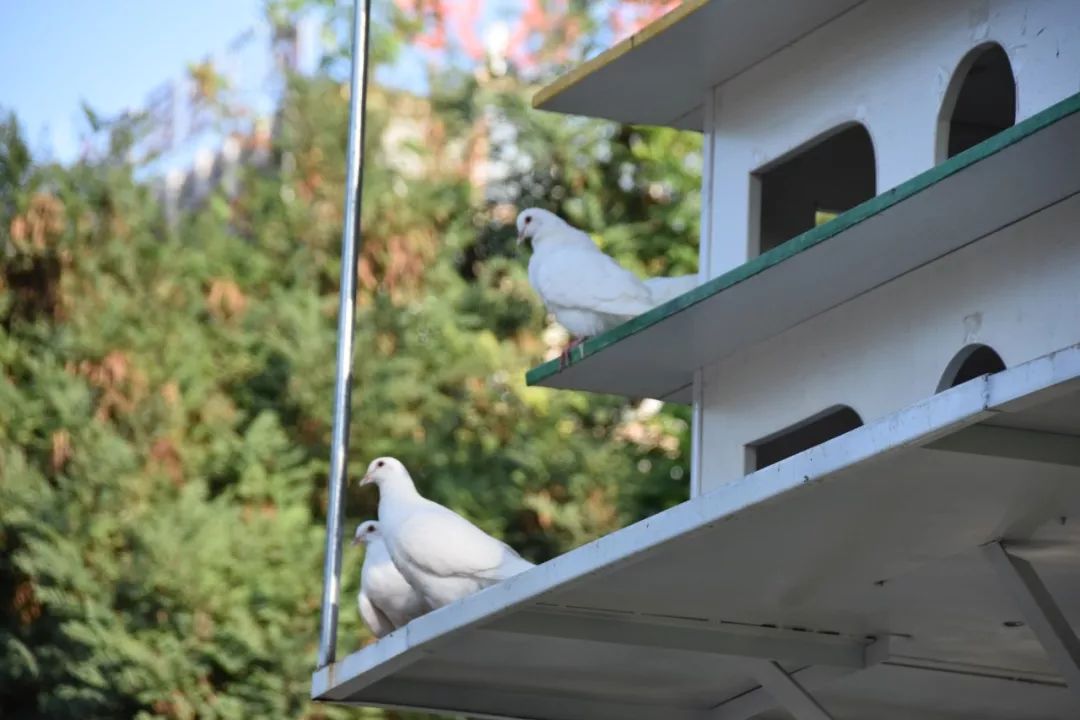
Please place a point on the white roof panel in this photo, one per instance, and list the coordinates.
(659, 76)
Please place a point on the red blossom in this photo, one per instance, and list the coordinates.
(545, 31)
(632, 15)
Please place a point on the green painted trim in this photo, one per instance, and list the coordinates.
(815, 236)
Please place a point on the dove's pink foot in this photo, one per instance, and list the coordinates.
(564, 357)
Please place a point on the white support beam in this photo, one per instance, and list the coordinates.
(1012, 443)
(489, 702)
(746, 641)
(754, 702)
(697, 427)
(788, 692)
(1040, 612)
(705, 244)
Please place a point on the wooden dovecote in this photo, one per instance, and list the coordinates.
(887, 403)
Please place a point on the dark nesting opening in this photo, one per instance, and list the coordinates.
(981, 101)
(803, 435)
(818, 182)
(971, 362)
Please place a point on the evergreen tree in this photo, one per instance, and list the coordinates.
(166, 387)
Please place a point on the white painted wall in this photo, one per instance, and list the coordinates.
(886, 64)
(704, 264)
(1017, 291)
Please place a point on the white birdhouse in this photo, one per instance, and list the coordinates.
(883, 357)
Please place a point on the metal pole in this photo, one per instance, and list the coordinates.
(350, 247)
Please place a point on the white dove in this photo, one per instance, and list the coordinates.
(587, 291)
(441, 554)
(386, 600)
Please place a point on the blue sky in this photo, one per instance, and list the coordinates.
(55, 54)
(110, 53)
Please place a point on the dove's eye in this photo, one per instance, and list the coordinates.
(528, 219)
(379, 464)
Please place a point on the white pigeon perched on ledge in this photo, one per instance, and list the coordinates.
(443, 555)
(387, 601)
(587, 291)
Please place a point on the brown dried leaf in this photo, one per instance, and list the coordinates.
(164, 455)
(25, 603)
(62, 450)
(225, 300)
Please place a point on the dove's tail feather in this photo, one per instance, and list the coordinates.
(514, 565)
(663, 289)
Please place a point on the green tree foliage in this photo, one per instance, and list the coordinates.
(166, 388)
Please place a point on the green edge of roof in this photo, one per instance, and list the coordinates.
(815, 236)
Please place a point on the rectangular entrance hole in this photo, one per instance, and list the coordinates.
(825, 178)
(801, 436)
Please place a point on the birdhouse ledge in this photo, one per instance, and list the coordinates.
(1014, 174)
(878, 570)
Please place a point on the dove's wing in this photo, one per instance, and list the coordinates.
(439, 542)
(387, 589)
(374, 618)
(582, 277)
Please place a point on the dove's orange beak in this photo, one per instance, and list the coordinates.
(367, 479)
(521, 237)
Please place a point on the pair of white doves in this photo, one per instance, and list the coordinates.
(587, 291)
(421, 555)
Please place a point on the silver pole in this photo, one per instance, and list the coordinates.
(350, 246)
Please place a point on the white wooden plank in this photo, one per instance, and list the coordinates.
(1012, 443)
(754, 31)
(738, 641)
